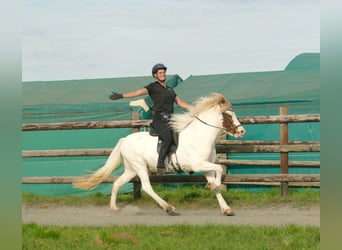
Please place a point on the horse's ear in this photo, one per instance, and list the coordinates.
(224, 104)
(222, 100)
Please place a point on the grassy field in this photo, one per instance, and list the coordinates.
(176, 236)
(170, 237)
(186, 196)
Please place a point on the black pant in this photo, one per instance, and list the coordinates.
(161, 126)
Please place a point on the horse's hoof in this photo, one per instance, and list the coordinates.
(228, 212)
(210, 186)
(170, 209)
(114, 208)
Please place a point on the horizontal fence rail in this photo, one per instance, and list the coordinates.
(222, 147)
(146, 123)
(193, 179)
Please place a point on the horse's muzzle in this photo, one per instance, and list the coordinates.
(239, 132)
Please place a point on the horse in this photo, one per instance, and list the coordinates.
(197, 132)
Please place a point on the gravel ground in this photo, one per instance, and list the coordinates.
(102, 216)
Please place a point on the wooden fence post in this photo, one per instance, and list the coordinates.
(136, 183)
(284, 157)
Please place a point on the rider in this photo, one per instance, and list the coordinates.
(163, 99)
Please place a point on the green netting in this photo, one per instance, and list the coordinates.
(82, 100)
(252, 94)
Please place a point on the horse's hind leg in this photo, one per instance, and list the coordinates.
(147, 187)
(127, 175)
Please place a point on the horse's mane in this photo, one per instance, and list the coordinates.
(180, 121)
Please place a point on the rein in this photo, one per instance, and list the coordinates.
(214, 125)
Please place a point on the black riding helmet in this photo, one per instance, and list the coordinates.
(157, 67)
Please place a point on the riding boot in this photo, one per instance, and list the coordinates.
(161, 161)
(161, 158)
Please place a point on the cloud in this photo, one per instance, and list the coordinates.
(97, 39)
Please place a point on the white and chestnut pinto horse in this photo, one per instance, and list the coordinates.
(198, 130)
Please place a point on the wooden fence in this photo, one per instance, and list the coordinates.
(223, 147)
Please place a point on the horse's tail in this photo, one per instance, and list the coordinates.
(96, 178)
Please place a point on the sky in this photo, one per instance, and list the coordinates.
(91, 39)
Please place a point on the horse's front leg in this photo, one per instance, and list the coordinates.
(215, 178)
(226, 210)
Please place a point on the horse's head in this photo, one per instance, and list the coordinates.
(232, 125)
(217, 104)
(230, 121)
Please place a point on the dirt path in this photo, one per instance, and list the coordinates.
(102, 216)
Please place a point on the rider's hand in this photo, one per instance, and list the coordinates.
(115, 96)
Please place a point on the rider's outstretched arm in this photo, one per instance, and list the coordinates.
(134, 93)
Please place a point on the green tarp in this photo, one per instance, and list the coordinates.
(81, 100)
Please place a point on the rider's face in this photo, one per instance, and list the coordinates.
(160, 75)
